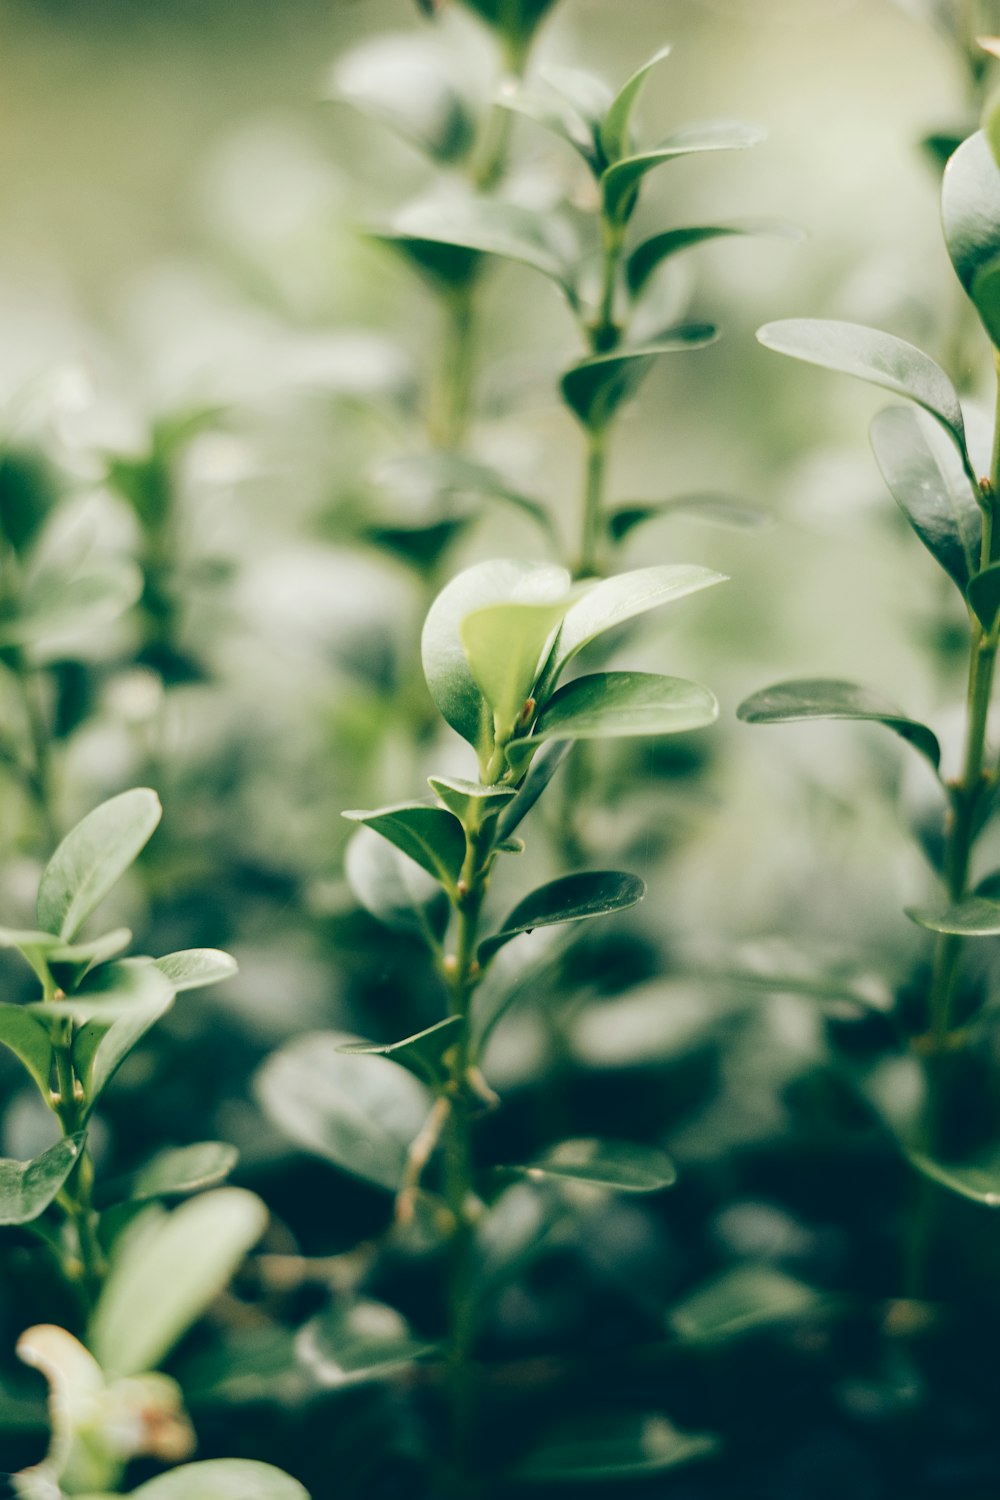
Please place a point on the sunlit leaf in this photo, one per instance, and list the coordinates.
(107, 994)
(614, 705)
(570, 898)
(102, 1044)
(505, 646)
(184, 1169)
(827, 698)
(28, 1187)
(975, 916)
(465, 798)
(222, 1479)
(194, 968)
(431, 836)
(92, 857)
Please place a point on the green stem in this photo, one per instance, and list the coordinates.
(593, 503)
(77, 1192)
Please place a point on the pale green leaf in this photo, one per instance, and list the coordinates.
(92, 857)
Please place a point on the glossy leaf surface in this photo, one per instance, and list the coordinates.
(970, 213)
(486, 226)
(505, 646)
(431, 836)
(194, 968)
(102, 1044)
(465, 798)
(184, 1169)
(829, 698)
(92, 858)
(28, 1187)
(571, 898)
(615, 705)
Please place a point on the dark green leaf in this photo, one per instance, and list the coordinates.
(394, 889)
(975, 916)
(29, 1041)
(27, 1188)
(113, 991)
(979, 1181)
(621, 1446)
(222, 1479)
(362, 1113)
(716, 510)
(825, 698)
(622, 1165)
(620, 183)
(425, 1054)
(543, 767)
(422, 480)
(970, 213)
(983, 594)
(616, 132)
(651, 253)
(92, 857)
(595, 388)
(615, 705)
(407, 82)
(571, 898)
(932, 490)
(740, 1300)
(362, 1340)
(194, 968)
(184, 1169)
(431, 836)
(465, 798)
(517, 20)
(444, 265)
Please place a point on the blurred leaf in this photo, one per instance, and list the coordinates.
(979, 1182)
(430, 476)
(517, 20)
(464, 797)
(221, 1479)
(362, 1113)
(505, 646)
(27, 1188)
(194, 968)
(29, 1041)
(716, 510)
(165, 1272)
(616, 132)
(29, 491)
(615, 705)
(409, 83)
(424, 1054)
(619, 1446)
(394, 889)
(935, 496)
(622, 1165)
(444, 265)
(571, 898)
(99, 1048)
(826, 698)
(554, 112)
(970, 213)
(620, 183)
(975, 916)
(350, 1343)
(78, 958)
(595, 388)
(983, 594)
(52, 604)
(877, 357)
(939, 145)
(184, 1169)
(431, 836)
(116, 990)
(651, 253)
(92, 858)
(740, 1300)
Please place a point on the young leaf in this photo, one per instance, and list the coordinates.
(607, 1448)
(423, 1054)
(505, 646)
(543, 767)
(184, 1169)
(406, 82)
(28, 1187)
(933, 493)
(194, 968)
(975, 916)
(554, 112)
(464, 797)
(622, 1165)
(431, 836)
(109, 993)
(571, 898)
(100, 1048)
(394, 889)
(983, 594)
(826, 698)
(715, 510)
(364, 1340)
(166, 1271)
(362, 1113)
(651, 253)
(29, 1041)
(620, 183)
(979, 1182)
(92, 857)
(878, 358)
(615, 133)
(970, 213)
(221, 1479)
(616, 705)
(595, 388)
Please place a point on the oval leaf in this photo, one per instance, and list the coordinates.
(595, 388)
(615, 705)
(222, 1479)
(505, 646)
(166, 1270)
(827, 698)
(620, 183)
(431, 836)
(194, 968)
(970, 213)
(621, 1446)
(364, 1340)
(571, 898)
(92, 857)
(362, 1113)
(976, 916)
(185, 1169)
(740, 1300)
(29, 1041)
(113, 991)
(615, 132)
(28, 1187)
(393, 889)
(621, 1165)
(651, 253)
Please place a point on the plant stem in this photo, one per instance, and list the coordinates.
(76, 1196)
(449, 417)
(593, 503)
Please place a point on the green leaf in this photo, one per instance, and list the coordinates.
(595, 388)
(84, 956)
(194, 968)
(613, 601)
(543, 767)
(827, 698)
(571, 898)
(970, 213)
(29, 1041)
(431, 836)
(445, 266)
(222, 1479)
(975, 916)
(92, 858)
(620, 183)
(446, 667)
(878, 358)
(394, 889)
(464, 798)
(362, 1113)
(505, 646)
(54, 605)
(619, 1446)
(651, 253)
(932, 490)
(978, 1181)
(348, 1344)
(716, 510)
(517, 20)
(184, 1169)
(422, 479)
(621, 1165)
(27, 1188)
(616, 130)
(740, 1300)
(109, 993)
(100, 1048)
(556, 113)
(617, 705)
(406, 82)
(424, 1054)
(166, 1270)
(983, 594)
